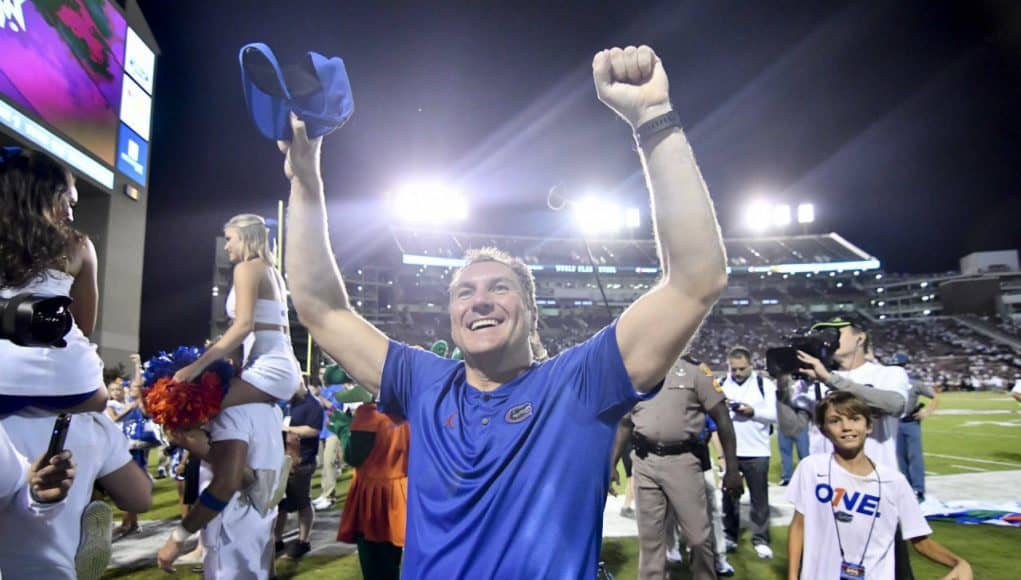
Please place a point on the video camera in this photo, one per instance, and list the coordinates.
(35, 320)
(820, 343)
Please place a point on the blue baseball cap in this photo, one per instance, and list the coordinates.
(316, 90)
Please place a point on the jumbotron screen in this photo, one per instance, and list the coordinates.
(77, 79)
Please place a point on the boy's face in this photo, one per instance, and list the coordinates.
(848, 433)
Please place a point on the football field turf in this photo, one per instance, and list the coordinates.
(973, 433)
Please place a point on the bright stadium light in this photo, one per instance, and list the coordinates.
(594, 215)
(428, 203)
(781, 215)
(806, 213)
(757, 215)
(632, 218)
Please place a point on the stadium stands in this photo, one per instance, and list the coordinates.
(778, 287)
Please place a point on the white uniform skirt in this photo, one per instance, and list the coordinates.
(270, 365)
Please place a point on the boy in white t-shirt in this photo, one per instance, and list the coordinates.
(847, 507)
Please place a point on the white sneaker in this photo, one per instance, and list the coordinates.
(764, 551)
(322, 503)
(674, 555)
(723, 567)
(93, 554)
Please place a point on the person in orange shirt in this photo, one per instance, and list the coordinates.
(376, 507)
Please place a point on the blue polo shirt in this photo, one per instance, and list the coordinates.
(509, 483)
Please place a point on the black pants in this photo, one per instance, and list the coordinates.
(756, 476)
(379, 560)
(901, 558)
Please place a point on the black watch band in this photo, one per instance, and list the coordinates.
(657, 124)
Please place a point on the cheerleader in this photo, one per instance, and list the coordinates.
(246, 433)
(40, 253)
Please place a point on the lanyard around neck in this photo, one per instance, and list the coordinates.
(875, 514)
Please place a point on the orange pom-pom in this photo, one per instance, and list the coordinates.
(178, 406)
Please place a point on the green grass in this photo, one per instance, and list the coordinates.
(972, 440)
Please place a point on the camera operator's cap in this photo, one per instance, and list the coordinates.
(840, 322)
(316, 90)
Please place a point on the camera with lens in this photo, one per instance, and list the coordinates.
(820, 343)
(35, 320)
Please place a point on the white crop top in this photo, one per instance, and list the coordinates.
(266, 311)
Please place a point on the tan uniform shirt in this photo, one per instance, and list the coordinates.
(677, 413)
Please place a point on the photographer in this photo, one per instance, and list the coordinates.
(884, 389)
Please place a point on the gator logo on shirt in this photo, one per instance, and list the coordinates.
(518, 413)
(863, 503)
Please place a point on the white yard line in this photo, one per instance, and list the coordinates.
(959, 433)
(949, 412)
(965, 467)
(973, 460)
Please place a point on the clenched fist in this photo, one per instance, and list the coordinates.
(632, 82)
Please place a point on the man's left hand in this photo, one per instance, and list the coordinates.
(745, 410)
(632, 82)
(817, 371)
(50, 483)
(167, 554)
(732, 483)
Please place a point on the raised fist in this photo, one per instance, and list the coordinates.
(632, 82)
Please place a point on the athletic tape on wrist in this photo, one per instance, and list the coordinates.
(180, 534)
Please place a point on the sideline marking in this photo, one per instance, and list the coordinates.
(973, 460)
(966, 467)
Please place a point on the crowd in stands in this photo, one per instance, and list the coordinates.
(940, 350)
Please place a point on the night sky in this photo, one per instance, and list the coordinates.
(898, 120)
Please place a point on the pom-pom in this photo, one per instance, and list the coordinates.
(178, 406)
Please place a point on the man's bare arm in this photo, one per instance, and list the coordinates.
(654, 330)
(315, 282)
(728, 440)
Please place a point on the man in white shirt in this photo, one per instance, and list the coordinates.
(752, 400)
(101, 453)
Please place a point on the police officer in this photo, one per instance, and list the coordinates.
(669, 459)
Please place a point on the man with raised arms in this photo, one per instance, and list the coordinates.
(508, 475)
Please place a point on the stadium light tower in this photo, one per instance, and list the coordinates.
(428, 203)
(757, 216)
(761, 215)
(594, 215)
(781, 215)
(806, 213)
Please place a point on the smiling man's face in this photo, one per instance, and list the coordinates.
(488, 311)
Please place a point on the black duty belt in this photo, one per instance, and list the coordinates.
(644, 446)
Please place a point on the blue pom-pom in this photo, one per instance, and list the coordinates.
(166, 364)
